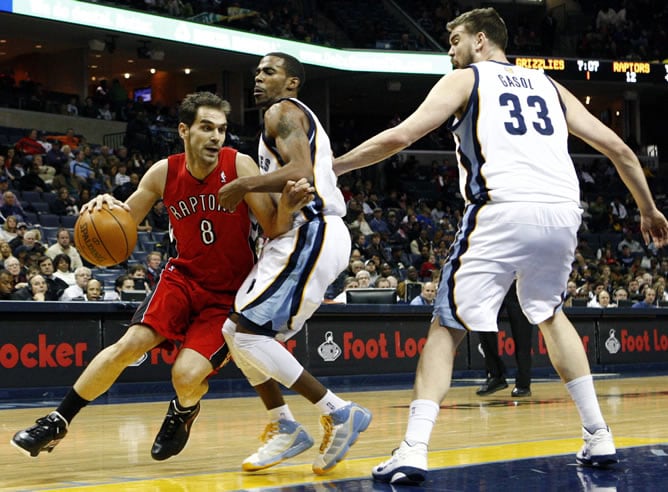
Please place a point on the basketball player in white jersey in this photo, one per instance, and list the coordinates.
(521, 217)
(289, 281)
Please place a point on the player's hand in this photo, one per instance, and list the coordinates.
(654, 227)
(297, 194)
(230, 194)
(97, 202)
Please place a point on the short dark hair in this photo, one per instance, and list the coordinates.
(485, 20)
(62, 256)
(43, 258)
(293, 67)
(192, 102)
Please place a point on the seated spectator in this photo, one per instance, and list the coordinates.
(649, 301)
(427, 268)
(633, 244)
(359, 242)
(56, 157)
(18, 272)
(94, 290)
(626, 259)
(363, 279)
(6, 285)
(63, 203)
(63, 245)
(426, 297)
(63, 269)
(633, 289)
(4, 182)
(348, 283)
(378, 224)
(5, 251)
(29, 145)
(138, 274)
(64, 178)
(72, 107)
(69, 139)
(36, 290)
(81, 168)
(123, 283)
(661, 293)
(30, 244)
(376, 247)
(620, 295)
(77, 291)
(382, 283)
(370, 266)
(21, 229)
(10, 206)
(55, 286)
(602, 300)
(104, 112)
(9, 229)
(404, 290)
(361, 225)
(153, 268)
(158, 218)
(32, 181)
(123, 191)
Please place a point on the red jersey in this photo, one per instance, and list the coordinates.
(214, 248)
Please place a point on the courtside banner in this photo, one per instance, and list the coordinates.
(539, 356)
(40, 352)
(156, 364)
(374, 345)
(633, 340)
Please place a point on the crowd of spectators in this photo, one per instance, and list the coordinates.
(292, 19)
(402, 215)
(399, 238)
(620, 29)
(615, 29)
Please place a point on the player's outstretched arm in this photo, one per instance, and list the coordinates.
(583, 124)
(447, 97)
(149, 190)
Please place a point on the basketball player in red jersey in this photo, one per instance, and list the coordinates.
(190, 303)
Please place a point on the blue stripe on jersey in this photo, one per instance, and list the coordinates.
(282, 299)
(270, 143)
(469, 150)
(445, 302)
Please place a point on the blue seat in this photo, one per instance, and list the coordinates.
(68, 220)
(49, 220)
(139, 256)
(31, 196)
(31, 218)
(40, 207)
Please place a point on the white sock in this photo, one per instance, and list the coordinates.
(280, 413)
(421, 420)
(330, 403)
(584, 395)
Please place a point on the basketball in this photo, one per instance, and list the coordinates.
(105, 237)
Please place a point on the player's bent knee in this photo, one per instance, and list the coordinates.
(269, 357)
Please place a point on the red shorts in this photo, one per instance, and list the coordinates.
(182, 311)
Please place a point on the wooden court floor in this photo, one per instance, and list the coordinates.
(108, 446)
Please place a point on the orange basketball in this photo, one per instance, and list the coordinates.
(105, 237)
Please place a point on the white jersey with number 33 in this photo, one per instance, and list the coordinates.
(512, 139)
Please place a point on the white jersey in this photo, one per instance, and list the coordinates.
(512, 139)
(328, 198)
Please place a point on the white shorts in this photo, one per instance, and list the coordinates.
(496, 243)
(289, 281)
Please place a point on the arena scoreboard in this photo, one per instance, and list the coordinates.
(588, 69)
